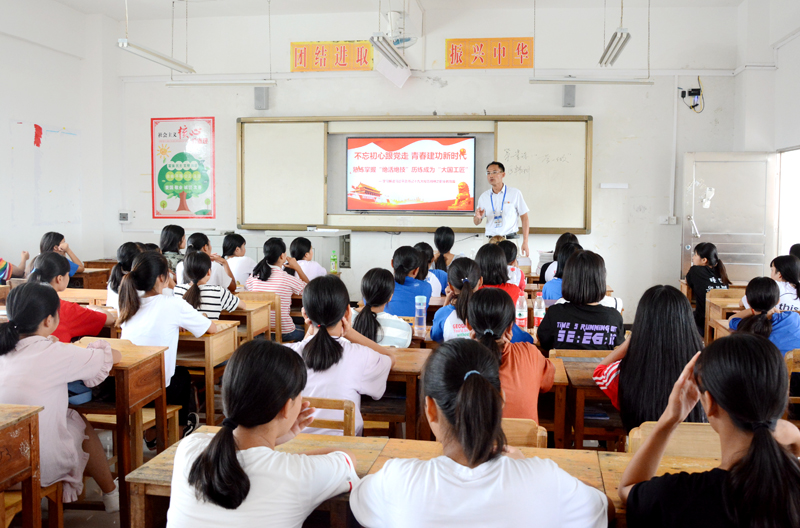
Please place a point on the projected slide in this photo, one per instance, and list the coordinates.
(411, 174)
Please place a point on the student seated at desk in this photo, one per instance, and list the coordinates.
(492, 261)
(515, 275)
(405, 263)
(154, 319)
(35, 370)
(236, 477)
(372, 321)
(765, 319)
(551, 291)
(785, 270)
(443, 238)
(74, 321)
(548, 270)
(8, 271)
(436, 278)
(582, 323)
(173, 240)
(221, 274)
(235, 252)
(300, 249)
(524, 371)
(125, 255)
(56, 243)
(206, 298)
(741, 382)
(478, 481)
(707, 273)
(342, 364)
(638, 375)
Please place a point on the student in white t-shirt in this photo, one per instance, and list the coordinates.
(301, 250)
(207, 299)
(464, 279)
(478, 481)
(785, 270)
(515, 275)
(221, 274)
(153, 319)
(236, 477)
(373, 322)
(342, 364)
(235, 252)
(435, 277)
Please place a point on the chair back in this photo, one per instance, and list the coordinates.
(578, 353)
(724, 294)
(347, 424)
(524, 433)
(696, 440)
(13, 283)
(792, 359)
(275, 300)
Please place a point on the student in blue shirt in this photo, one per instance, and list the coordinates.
(552, 289)
(763, 317)
(55, 242)
(405, 262)
(427, 271)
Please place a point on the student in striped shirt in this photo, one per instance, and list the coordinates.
(8, 271)
(207, 299)
(373, 322)
(268, 276)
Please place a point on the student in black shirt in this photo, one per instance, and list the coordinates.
(581, 323)
(742, 383)
(707, 273)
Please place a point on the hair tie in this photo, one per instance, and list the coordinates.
(764, 312)
(755, 426)
(465, 279)
(13, 324)
(468, 374)
(230, 424)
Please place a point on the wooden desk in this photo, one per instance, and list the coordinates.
(100, 264)
(407, 369)
(4, 291)
(559, 389)
(254, 320)
(154, 479)
(531, 289)
(206, 352)
(139, 378)
(719, 309)
(19, 460)
(84, 296)
(581, 388)
(718, 328)
(436, 303)
(93, 279)
(581, 464)
(612, 465)
(531, 278)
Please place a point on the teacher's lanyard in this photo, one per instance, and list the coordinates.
(502, 204)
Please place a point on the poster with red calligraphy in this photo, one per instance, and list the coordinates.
(341, 55)
(182, 153)
(481, 54)
(411, 174)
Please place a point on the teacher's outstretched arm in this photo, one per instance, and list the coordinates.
(526, 224)
(479, 213)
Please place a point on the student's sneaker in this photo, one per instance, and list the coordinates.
(151, 444)
(111, 500)
(192, 423)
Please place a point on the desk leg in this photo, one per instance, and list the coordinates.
(580, 403)
(161, 422)
(137, 506)
(124, 455)
(210, 411)
(137, 442)
(339, 512)
(411, 407)
(560, 416)
(31, 487)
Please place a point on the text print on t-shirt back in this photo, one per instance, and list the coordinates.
(715, 284)
(586, 334)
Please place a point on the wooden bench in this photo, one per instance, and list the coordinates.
(695, 440)
(275, 301)
(348, 422)
(524, 433)
(55, 506)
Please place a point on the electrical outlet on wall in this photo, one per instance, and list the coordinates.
(126, 217)
(667, 220)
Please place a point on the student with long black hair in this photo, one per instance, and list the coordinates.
(463, 280)
(707, 273)
(638, 375)
(269, 276)
(342, 364)
(443, 238)
(35, 370)
(372, 321)
(300, 249)
(125, 255)
(173, 240)
(74, 320)
(742, 383)
(552, 288)
(436, 278)
(548, 270)
(406, 262)
(515, 275)
(221, 274)
(524, 371)
(491, 259)
(236, 477)
(478, 480)
(785, 270)
(56, 243)
(765, 319)
(208, 299)
(235, 252)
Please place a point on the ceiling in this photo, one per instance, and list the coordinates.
(162, 9)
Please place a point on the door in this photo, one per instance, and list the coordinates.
(731, 200)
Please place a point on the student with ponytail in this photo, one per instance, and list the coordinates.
(436, 278)
(515, 275)
(235, 252)
(742, 383)
(153, 319)
(173, 240)
(206, 298)
(443, 238)
(765, 319)
(74, 320)
(707, 273)
(35, 370)
(373, 322)
(463, 280)
(524, 371)
(221, 274)
(269, 276)
(406, 263)
(342, 364)
(125, 255)
(56, 243)
(478, 480)
(236, 477)
(785, 270)
(302, 252)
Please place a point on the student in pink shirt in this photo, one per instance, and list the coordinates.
(342, 364)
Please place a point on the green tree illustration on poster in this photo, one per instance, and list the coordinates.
(184, 176)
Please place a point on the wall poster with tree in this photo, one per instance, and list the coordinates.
(183, 167)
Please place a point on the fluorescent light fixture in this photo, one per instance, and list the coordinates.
(388, 51)
(575, 80)
(158, 58)
(615, 46)
(255, 82)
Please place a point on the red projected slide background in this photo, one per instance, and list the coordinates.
(411, 174)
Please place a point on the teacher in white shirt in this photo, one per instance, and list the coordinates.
(502, 205)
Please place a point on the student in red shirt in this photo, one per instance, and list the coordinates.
(73, 320)
(491, 259)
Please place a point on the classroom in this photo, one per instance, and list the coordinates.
(253, 255)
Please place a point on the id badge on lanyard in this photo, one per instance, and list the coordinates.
(498, 216)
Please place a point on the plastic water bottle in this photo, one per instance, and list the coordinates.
(538, 310)
(334, 262)
(522, 311)
(419, 316)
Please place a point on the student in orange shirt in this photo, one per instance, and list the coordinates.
(524, 371)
